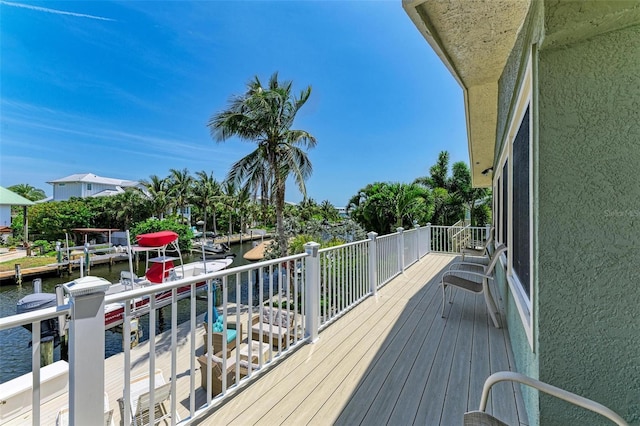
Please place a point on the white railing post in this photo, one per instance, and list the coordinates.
(373, 263)
(487, 231)
(400, 249)
(417, 240)
(86, 350)
(312, 291)
(429, 237)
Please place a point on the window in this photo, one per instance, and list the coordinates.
(496, 210)
(520, 208)
(505, 202)
(515, 183)
(88, 187)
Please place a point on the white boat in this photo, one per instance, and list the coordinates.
(160, 269)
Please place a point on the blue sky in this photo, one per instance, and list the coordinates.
(125, 89)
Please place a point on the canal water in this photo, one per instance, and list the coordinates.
(15, 344)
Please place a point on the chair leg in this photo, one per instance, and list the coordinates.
(491, 306)
(444, 296)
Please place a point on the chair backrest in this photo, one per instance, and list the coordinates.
(279, 317)
(491, 237)
(572, 398)
(161, 394)
(501, 248)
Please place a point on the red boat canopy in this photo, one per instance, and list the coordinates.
(156, 239)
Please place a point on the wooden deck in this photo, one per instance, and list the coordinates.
(391, 360)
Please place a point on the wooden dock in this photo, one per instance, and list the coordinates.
(390, 360)
(56, 268)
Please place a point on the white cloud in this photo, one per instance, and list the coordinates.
(54, 11)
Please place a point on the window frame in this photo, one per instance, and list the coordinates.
(525, 99)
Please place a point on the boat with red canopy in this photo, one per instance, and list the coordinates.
(161, 267)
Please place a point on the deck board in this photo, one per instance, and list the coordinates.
(390, 360)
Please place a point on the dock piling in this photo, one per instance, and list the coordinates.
(18, 274)
(46, 351)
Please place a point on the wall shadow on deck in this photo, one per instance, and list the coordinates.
(430, 370)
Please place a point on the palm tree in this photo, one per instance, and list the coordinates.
(412, 202)
(158, 189)
(180, 189)
(205, 193)
(264, 115)
(27, 191)
(438, 174)
(129, 204)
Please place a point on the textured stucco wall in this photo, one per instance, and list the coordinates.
(526, 360)
(510, 81)
(512, 75)
(589, 224)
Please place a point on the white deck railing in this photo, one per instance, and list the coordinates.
(311, 289)
(451, 239)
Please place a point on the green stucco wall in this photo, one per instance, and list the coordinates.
(589, 224)
(586, 165)
(510, 81)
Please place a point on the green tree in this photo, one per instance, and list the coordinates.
(265, 115)
(51, 220)
(449, 202)
(328, 211)
(412, 203)
(307, 209)
(461, 184)
(27, 191)
(438, 174)
(382, 207)
(205, 193)
(131, 207)
(158, 190)
(180, 188)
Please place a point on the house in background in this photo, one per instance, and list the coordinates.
(552, 98)
(7, 200)
(88, 185)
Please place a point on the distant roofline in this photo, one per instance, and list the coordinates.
(92, 178)
(10, 198)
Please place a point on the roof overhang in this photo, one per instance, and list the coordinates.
(474, 39)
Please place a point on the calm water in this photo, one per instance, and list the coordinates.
(15, 349)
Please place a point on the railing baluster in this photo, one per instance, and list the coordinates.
(127, 361)
(174, 353)
(35, 368)
(238, 322)
(152, 357)
(225, 315)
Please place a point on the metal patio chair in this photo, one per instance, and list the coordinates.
(474, 278)
(478, 248)
(482, 418)
(141, 399)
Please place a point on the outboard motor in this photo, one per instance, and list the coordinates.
(35, 301)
